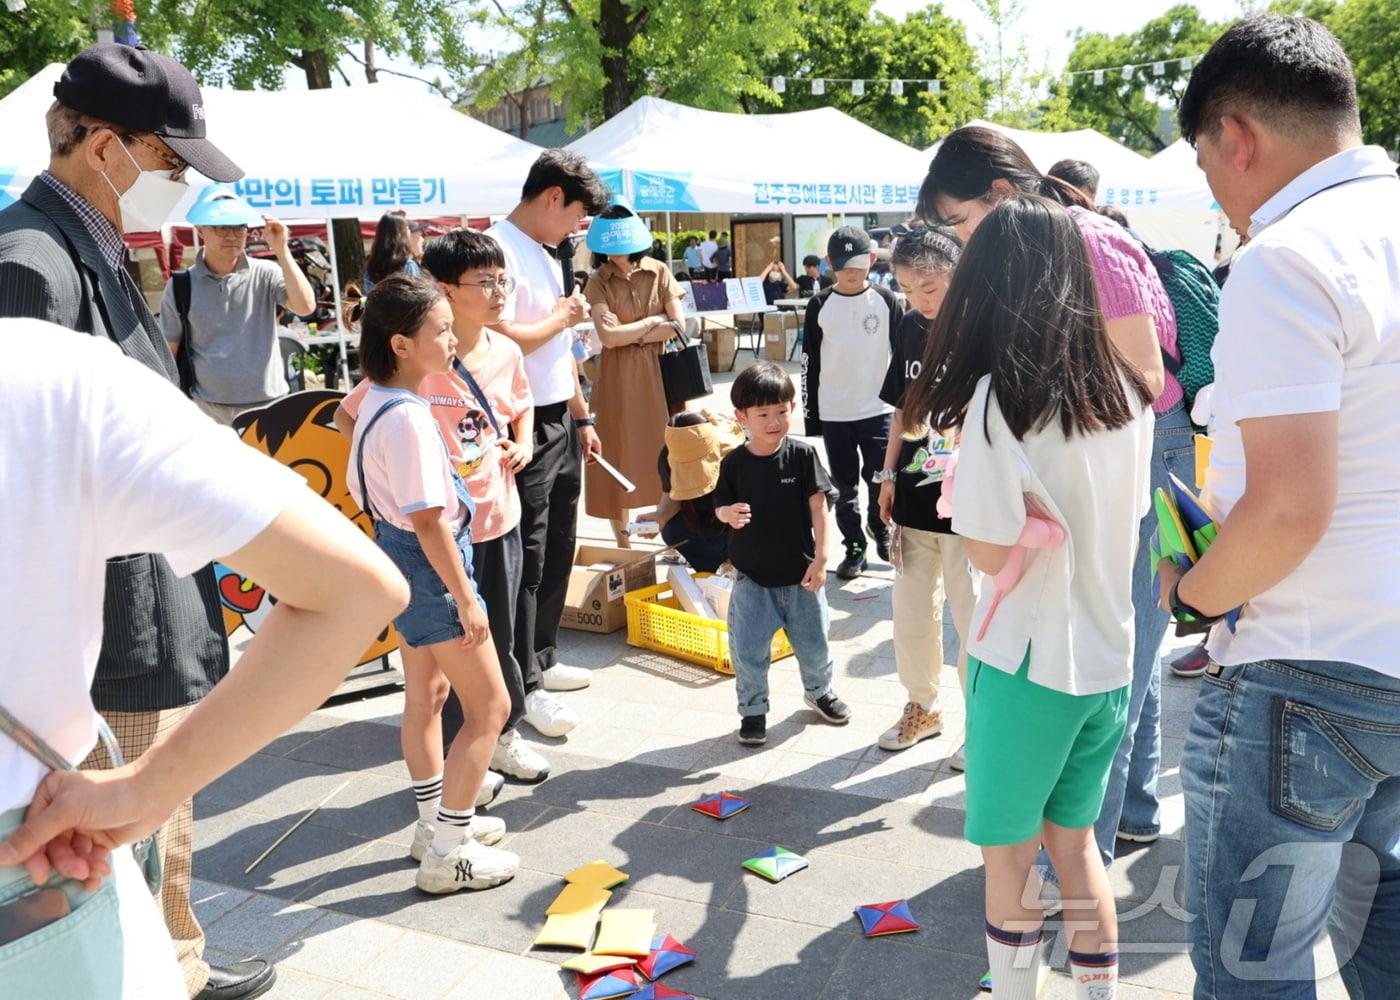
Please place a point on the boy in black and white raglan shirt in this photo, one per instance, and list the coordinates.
(849, 334)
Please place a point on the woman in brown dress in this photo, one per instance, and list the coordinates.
(634, 300)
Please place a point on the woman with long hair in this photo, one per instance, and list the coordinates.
(398, 243)
(974, 169)
(1056, 429)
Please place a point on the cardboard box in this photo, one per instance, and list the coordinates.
(594, 599)
(722, 344)
(779, 336)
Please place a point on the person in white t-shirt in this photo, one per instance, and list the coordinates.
(1291, 759)
(1056, 434)
(559, 193)
(707, 256)
(100, 456)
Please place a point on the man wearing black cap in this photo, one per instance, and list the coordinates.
(125, 128)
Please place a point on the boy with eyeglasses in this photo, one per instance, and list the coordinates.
(486, 413)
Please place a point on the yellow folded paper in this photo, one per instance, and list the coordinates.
(599, 874)
(592, 963)
(569, 930)
(576, 898)
(626, 932)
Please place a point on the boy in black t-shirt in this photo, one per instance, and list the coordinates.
(772, 493)
(811, 280)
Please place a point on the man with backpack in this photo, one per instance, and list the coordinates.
(220, 316)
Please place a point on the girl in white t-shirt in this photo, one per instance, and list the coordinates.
(1056, 422)
(401, 471)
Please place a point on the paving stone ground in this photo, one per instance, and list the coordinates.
(335, 904)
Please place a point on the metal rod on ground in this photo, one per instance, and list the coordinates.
(339, 310)
(298, 823)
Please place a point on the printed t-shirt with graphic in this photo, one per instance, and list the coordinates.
(1073, 606)
(923, 463)
(851, 337)
(539, 284)
(472, 443)
(777, 545)
(406, 463)
(808, 286)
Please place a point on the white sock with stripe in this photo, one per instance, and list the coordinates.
(1095, 975)
(1015, 962)
(428, 793)
(450, 829)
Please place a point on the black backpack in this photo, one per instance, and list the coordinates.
(184, 364)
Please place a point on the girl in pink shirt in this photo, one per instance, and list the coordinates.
(406, 480)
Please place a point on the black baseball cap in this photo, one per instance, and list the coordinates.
(146, 92)
(849, 246)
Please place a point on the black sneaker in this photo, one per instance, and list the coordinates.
(854, 564)
(753, 730)
(829, 707)
(881, 534)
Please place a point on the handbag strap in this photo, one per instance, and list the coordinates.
(39, 748)
(480, 395)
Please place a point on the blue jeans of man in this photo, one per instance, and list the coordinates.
(1292, 779)
(755, 615)
(1130, 801)
(855, 451)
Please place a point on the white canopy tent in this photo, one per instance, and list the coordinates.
(350, 152)
(1167, 201)
(667, 157)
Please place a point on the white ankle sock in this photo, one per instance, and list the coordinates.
(1015, 961)
(428, 794)
(927, 706)
(450, 829)
(1095, 975)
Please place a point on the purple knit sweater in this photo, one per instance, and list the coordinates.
(1129, 286)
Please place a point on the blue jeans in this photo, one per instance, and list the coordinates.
(1292, 780)
(1130, 801)
(755, 615)
(855, 450)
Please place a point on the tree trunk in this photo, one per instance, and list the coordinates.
(371, 71)
(523, 106)
(616, 34)
(349, 246)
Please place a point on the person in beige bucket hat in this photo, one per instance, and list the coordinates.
(689, 468)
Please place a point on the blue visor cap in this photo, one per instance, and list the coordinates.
(219, 205)
(618, 236)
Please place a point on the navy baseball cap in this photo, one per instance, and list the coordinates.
(849, 246)
(146, 92)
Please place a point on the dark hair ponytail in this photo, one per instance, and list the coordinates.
(970, 159)
(398, 304)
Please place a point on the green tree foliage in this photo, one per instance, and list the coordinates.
(604, 54)
(1129, 110)
(46, 31)
(1369, 30)
(844, 40)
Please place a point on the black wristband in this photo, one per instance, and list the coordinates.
(585, 421)
(1187, 616)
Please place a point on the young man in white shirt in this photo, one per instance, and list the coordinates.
(1290, 765)
(559, 193)
(707, 256)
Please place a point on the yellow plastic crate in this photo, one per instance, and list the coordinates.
(658, 623)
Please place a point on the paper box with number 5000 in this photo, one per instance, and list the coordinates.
(597, 583)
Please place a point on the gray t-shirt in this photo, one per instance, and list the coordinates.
(233, 329)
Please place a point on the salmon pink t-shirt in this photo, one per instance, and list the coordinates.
(471, 441)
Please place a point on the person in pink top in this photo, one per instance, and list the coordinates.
(974, 169)
(486, 413)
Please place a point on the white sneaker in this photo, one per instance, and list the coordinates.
(562, 678)
(491, 786)
(958, 762)
(549, 716)
(515, 757)
(469, 865)
(486, 830)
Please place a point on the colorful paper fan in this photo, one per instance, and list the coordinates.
(776, 864)
(658, 991)
(721, 806)
(607, 985)
(893, 917)
(666, 954)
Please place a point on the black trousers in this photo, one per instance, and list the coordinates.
(549, 492)
(856, 451)
(496, 570)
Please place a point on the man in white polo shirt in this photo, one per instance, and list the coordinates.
(559, 193)
(1292, 765)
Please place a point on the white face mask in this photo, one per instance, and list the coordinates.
(146, 205)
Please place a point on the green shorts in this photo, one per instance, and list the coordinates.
(1034, 754)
